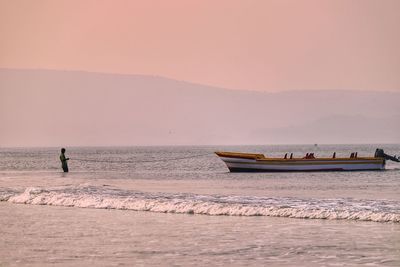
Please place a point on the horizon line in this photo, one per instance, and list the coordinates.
(208, 145)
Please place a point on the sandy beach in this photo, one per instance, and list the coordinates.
(32, 235)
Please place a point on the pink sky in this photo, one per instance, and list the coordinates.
(259, 45)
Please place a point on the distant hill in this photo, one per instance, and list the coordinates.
(53, 108)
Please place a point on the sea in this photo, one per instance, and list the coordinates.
(180, 206)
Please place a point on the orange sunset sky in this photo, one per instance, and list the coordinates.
(257, 45)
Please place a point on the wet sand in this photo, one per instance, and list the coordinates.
(32, 235)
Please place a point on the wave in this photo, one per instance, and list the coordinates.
(106, 198)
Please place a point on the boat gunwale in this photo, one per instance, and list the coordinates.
(262, 158)
(303, 162)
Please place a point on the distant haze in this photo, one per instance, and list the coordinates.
(177, 72)
(65, 108)
(265, 45)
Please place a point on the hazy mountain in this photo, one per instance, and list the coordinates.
(347, 129)
(54, 108)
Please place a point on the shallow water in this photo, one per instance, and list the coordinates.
(42, 235)
(362, 208)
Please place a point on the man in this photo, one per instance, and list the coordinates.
(63, 159)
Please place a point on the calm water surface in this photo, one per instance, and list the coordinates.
(121, 209)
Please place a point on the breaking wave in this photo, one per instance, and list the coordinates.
(106, 198)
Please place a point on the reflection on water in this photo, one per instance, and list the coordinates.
(111, 237)
(198, 185)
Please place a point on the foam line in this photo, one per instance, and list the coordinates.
(97, 197)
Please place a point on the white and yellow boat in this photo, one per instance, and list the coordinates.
(248, 162)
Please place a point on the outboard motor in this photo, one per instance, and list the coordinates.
(379, 153)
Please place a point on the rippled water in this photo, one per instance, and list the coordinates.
(192, 180)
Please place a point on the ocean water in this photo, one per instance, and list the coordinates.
(312, 219)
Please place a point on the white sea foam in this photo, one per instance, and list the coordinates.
(97, 197)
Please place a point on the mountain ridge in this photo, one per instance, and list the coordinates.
(83, 108)
(160, 77)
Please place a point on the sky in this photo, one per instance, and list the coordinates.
(265, 45)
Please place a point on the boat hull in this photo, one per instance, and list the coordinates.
(260, 164)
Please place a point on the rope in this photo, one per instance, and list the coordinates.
(139, 161)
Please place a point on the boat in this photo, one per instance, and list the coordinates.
(250, 162)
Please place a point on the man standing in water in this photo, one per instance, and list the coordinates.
(63, 159)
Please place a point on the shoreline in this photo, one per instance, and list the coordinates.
(49, 235)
